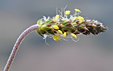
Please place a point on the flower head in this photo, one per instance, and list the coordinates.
(67, 27)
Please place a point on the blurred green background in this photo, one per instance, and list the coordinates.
(90, 53)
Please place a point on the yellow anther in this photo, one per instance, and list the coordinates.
(73, 35)
(64, 35)
(55, 27)
(58, 37)
(67, 12)
(77, 10)
(80, 18)
(55, 37)
(57, 16)
(75, 18)
(64, 20)
(60, 31)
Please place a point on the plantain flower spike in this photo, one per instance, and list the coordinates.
(68, 26)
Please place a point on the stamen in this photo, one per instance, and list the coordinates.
(46, 42)
(57, 16)
(64, 39)
(77, 10)
(55, 27)
(55, 37)
(67, 12)
(74, 39)
(64, 35)
(80, 18)
(60, 31)
(74, 35)
(58, 36)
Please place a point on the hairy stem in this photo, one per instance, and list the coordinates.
(16, 46)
